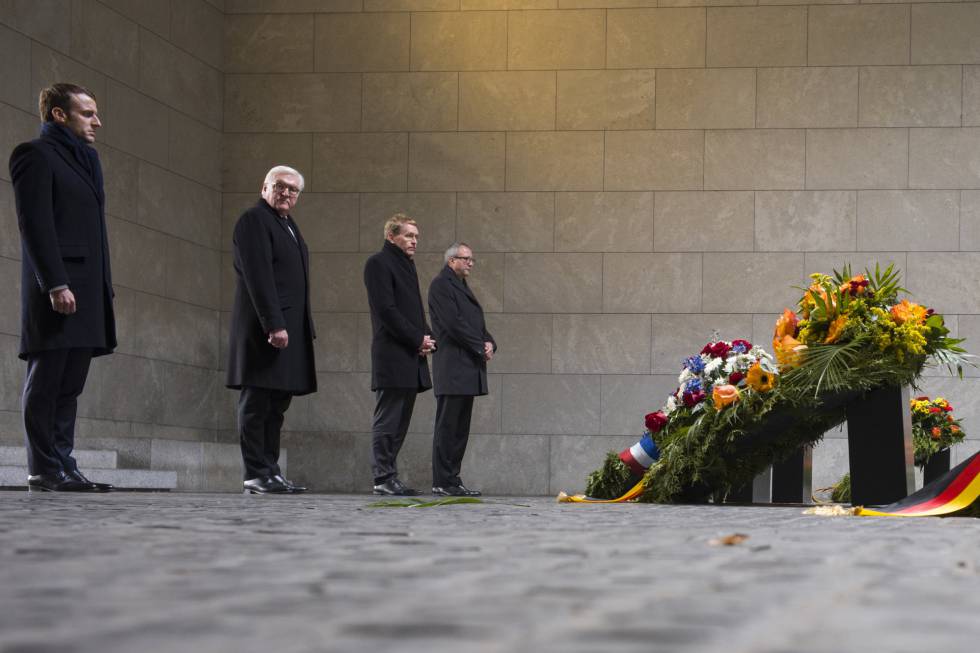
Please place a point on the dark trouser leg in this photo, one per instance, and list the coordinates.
(55, 379)
(279, 403)
(452, 432)
(72, 384)
(260, 417)
(392, 415)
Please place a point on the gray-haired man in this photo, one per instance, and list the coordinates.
(459, 366)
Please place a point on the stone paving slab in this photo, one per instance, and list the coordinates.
(123, 573)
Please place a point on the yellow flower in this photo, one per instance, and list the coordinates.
(724, 395)
(760, 380)
(836, 327)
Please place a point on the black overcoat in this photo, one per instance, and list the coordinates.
(272, 292)
(61, 218)
(458, 366)
(397, 321)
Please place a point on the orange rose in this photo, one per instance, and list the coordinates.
(786, 324)
(906, 311)
(787, 350)
(936, 432)
(954, 428)
(724, 395)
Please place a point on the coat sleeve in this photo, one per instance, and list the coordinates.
(381, 298)
(253, 258)
(33, 192)
(445, 310)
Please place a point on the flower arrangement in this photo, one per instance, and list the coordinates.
(933, 428)
(737, 408)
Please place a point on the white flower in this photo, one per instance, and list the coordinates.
(685, 375)
(713, 365)
(671, 405)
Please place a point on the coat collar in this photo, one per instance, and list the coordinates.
(459, 283)
(73, 163)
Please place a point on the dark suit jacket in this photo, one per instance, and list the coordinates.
(397, 321)
(272, 292)
(63, 242)
(460, 331)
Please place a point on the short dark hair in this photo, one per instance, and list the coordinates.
(58, 96)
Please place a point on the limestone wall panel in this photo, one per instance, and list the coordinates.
(464, 161)
(507, 101)
(554, 161)
(706, 99)
(714, 221)
(760, 159)
(651, 283)
(857, 158)
(604, 222)
(606, 99)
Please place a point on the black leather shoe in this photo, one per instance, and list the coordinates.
(57, 482)
(264, 485)
(447, 491)
(455, 491)
(292, 487)
(78, 476)
(394, 487)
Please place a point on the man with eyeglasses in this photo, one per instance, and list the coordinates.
(459, 367)
(271, 336)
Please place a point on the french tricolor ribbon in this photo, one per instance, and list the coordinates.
(641, 455)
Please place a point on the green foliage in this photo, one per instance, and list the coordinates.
(422, 503)
(610, 481)
(841, 492)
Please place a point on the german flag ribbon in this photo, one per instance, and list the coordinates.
(956, 489)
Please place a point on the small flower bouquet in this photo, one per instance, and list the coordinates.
(933, 428)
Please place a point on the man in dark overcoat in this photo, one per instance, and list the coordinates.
(271, 333)
(459, 366)
(66, 284)
(400, 342)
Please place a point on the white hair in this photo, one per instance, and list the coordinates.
(454, 250)
(270, 177)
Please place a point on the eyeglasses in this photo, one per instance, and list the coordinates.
(280, 187)
(468, 259)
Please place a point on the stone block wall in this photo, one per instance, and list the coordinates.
(156, 69)
(634, 176)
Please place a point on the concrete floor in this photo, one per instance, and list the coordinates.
(148, 573)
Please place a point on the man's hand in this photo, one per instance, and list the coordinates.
(62, 301)
(428, 346)
(487, 351)
(279, 338)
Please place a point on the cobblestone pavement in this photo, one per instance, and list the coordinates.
(148, 573)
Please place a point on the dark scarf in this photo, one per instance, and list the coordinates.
(86, 155)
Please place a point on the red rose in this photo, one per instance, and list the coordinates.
(948, 408)
(935, 410)
(716, 349)
(745, 343)
(655, 421)
(691, 399)
(735, 377)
